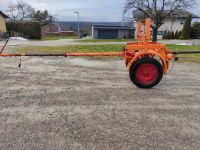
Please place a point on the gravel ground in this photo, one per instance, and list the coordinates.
(82, 104)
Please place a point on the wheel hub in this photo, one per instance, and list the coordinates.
(146, 73)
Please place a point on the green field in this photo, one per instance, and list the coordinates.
(71, 48)
(51, 38)
(106, 40)
(104, 48)
(188, 57)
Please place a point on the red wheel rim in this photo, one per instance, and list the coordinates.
(146, 74)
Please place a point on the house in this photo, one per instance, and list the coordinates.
(171, 24)
(54, 29)
(111, 32)
(3, 18)
(50, 28)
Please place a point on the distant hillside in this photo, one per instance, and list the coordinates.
(85, 26)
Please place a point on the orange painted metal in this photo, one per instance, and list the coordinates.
(107, 54)
(148, 30)
(139, 30)
(136, 50)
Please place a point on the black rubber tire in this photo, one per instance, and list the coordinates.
(146, 60)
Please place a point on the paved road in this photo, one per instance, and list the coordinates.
(64, 42)
(88, 104)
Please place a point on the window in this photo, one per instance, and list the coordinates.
(182, 22)
(161, 32)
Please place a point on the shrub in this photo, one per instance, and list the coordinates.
(176, 34)
(179, 34)
(30, 30)
(195, 30)
(169, 35)
(172, 35)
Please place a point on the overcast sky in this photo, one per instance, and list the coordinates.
(90, 10)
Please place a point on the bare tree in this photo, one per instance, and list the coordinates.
(20, 11)
(157, 10)
(43, 17)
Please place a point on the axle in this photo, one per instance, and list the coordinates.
(106, 54)
(185, 52)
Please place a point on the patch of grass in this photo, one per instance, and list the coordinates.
(106, 40)
(182, 47)
(70, 48)
(186, 57)
(50, 38)
(104, 48)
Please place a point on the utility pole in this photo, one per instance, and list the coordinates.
(76, 12)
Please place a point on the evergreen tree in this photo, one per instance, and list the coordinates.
(187, 28)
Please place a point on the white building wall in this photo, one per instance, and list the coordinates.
(2, 24)
(176, 25)
(169, 25)
(94, 33)
(122, 33)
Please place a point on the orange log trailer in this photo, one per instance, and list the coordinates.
(146, 61)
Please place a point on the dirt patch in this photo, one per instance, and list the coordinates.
(51, 103)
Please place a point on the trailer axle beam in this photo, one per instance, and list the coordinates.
(185, 52)
(107, 54)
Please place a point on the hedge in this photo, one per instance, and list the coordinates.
(172, 35)
(30, 30)
(195, 31)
